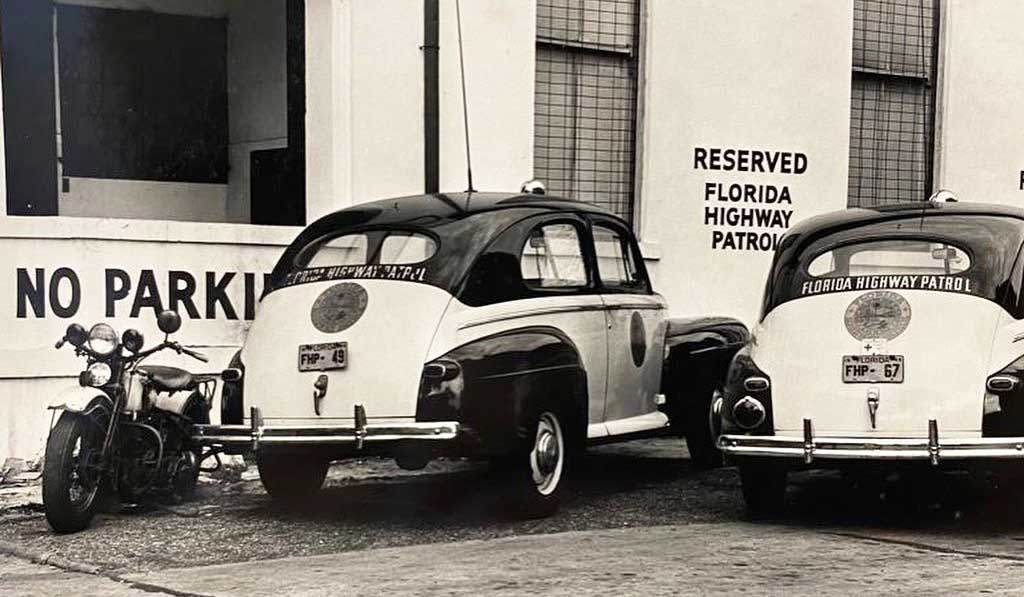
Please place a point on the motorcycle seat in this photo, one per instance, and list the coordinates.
(169, 379)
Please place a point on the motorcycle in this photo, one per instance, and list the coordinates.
(125, 427)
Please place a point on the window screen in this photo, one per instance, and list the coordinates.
(585, 104)
(892, 107)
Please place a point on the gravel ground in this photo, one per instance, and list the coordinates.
(373, 505)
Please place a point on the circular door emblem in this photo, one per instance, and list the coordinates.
(637, 339)
(338, 307)
(877, 315)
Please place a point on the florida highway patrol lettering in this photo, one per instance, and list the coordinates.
(960, 284)
(404, 273)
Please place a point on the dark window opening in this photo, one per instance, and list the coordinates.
(191, 111)
(143, 96)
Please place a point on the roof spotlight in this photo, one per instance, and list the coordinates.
(533, 187)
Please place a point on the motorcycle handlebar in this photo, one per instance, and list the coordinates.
(194, 354)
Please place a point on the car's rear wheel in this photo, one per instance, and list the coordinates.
(290, 478)
(535, 478)
(764, 487)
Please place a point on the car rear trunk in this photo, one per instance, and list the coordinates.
(385, 348)
(945, 352)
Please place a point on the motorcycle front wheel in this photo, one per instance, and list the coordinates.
(71, 473)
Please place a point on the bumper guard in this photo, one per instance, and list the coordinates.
(257, 434)
(810, 448)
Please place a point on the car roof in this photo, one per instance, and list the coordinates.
(435, 208)
(854, 217)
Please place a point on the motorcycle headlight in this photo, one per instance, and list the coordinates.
(102, 339)
(98, 374)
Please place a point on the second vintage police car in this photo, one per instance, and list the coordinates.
(887, 336)
(517, 328)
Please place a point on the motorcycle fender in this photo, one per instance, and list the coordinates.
(78, 399)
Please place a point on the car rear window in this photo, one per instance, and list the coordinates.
(911, 256)
(391, 247)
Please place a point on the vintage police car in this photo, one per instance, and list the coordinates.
(516, 328)
(891, 335)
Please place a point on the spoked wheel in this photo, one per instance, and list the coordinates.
(71, 473)
(536, 477)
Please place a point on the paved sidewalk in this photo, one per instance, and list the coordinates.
(731, 558)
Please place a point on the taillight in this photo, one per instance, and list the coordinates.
(747, 400)
(441, 385)
(439, 371)
(1002, 383)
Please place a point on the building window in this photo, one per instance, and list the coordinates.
(185, 111)
(892, 120)
(586, 97)
(143, 96)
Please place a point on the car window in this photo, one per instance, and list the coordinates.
(552, 257)
(349, 249)
(615, 262)
(405, 247)
(890, 257)
(397, 247)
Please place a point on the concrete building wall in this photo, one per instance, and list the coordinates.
(980, 154)
(364, 119)
(770, 76)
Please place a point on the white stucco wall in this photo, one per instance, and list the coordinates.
(364, 136)
(768, 75)
(980, 153)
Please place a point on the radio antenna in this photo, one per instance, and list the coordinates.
(465, 111)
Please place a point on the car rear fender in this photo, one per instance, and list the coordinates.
(509, 377)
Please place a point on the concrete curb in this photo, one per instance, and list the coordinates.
(52, 559)
(48, 559)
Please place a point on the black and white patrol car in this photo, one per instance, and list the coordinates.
(515, 328)
(889, 336)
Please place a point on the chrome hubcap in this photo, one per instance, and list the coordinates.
(547, 453)
(546, 458)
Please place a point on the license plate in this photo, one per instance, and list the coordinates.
(321, 357)
(873, 368)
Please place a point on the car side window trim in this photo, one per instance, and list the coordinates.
(643, 285)
(586, 253)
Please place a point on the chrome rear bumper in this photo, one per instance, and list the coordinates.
(810, 448)
(257, 434)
